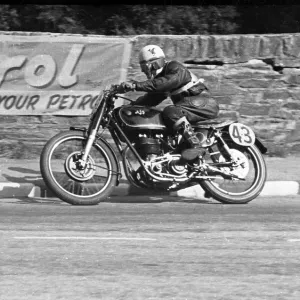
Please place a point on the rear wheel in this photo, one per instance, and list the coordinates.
(63, 173)
(251, 167)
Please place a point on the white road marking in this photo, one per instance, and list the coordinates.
(195, 192)
(8, 184)
(280, 188)
(80, 238)
(156, 198)
(294, 240)
(34, 178)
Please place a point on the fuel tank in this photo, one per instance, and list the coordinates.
(140, 117)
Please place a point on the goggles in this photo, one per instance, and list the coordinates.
(145, 67)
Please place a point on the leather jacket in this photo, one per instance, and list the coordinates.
(172, 77)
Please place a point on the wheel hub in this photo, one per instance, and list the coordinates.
(242, 164)
(76, 169)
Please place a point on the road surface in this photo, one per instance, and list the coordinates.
(150, 248)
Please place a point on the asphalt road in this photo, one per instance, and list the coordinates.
(150, 248)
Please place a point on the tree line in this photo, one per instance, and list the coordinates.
(151, 19)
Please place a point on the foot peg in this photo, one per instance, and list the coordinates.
(190, 136)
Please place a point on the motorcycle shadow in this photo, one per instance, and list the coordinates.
(133, 194)
(157, 199)
(23, 175)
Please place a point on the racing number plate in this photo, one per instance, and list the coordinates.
(242, 134)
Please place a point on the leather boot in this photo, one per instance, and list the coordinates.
(195, 150)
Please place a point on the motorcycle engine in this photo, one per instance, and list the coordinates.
(148, 147)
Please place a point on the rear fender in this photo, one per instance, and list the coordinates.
(258, 143)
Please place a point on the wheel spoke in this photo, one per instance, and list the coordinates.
(248, 170)
(66, 172)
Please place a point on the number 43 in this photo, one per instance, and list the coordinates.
(242, 134)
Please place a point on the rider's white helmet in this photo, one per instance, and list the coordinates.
(151, 58)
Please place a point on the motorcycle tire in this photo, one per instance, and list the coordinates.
(59, 172)
(252, 192)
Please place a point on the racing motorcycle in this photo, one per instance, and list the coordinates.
(81, 168)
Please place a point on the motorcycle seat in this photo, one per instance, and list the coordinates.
(217, 123)
(209, 121)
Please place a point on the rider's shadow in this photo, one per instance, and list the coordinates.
(24, 170)
(33, 176)
(23, 175)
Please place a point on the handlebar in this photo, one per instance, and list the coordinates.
(114, 90)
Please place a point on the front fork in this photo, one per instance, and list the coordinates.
(88, 146)
(92, 132)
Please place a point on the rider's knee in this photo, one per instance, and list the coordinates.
(171, 111)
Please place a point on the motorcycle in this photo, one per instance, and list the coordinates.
(81, 168)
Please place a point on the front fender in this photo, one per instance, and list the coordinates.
(78, 129)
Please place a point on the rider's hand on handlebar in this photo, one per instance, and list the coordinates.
(126, 86)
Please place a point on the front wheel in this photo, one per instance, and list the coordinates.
(64, 175)
(251, 168)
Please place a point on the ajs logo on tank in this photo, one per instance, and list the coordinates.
(58, 74)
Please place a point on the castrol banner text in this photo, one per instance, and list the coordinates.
(58, 74)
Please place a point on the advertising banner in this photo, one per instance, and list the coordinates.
(57, 74)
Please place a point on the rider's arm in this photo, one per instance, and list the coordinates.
(152, 99)
(175, 76)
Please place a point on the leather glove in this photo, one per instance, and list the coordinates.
(126, 86)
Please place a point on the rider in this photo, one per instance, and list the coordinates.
(192, 102)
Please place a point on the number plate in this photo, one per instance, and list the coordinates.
(242, 134)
